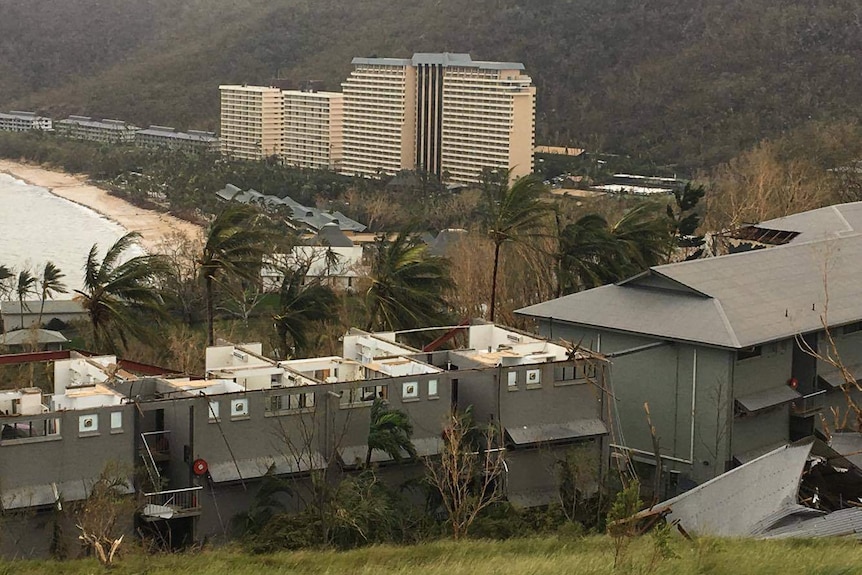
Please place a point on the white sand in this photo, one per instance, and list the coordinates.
(153, 226)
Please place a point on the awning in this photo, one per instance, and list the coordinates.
(354, 455)
(542, 433)
(259, 466)
(47, 494)
(835, 378)
(769, 398)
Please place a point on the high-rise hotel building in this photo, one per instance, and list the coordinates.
(313, 129)
(252, 122)
(443, 113)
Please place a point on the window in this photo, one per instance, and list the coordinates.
(749, 353)
(88, 423)
(239, 408)
(363, 395)
(512, 379)
(534, 377)
(213, 411)
(432, 388)
(576, 372)
(410, 390)
(286, 402)
(116, 420)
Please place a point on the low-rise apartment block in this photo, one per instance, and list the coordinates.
(204, 444)
(170, 138)
(86, 128)
(17, 121)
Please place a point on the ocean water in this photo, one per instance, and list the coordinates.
(37, 226)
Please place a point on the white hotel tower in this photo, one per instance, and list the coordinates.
(443, 113)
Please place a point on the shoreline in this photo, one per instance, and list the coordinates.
(153, 226)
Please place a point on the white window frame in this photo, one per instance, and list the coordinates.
(116, 421)
(512, 380)
(92, 427)
(213, 411)
(242, 404)
(534, 377)
(432, 388)
(410, 390)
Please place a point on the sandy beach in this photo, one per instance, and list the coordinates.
(153, 226)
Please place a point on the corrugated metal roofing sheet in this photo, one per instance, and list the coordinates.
(253, 468)
(768, 398)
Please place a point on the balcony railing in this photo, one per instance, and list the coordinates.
(171, 504)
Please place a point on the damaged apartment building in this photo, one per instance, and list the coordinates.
(736, 354)
(195, 450)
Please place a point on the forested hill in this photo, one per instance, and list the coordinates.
(689, 81)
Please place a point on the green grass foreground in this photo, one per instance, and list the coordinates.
(551, 555)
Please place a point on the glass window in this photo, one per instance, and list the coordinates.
(117, 420)
(512, 378)
(213, 410)
(238, 407)
(534, 376)
(432, 388)
(88, 423)
(410, 390)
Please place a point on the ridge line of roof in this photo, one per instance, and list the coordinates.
(727, 325)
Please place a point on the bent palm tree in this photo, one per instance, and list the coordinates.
(300, 307)
(513, 213)
(389, 431)
(407, 284)
(51, 283)
(235, 244)
(115, 294)
(26, 285)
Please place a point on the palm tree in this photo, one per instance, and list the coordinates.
(26, 285)
(407, 284)
(644, 234)
(513, 213)
(235, 243)
(6, 274)
(51, 283)
(389, 431)
(301, 306)
(115, 294)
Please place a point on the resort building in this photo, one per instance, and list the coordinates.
(252, 122)
(16, 121)
(443, 113)
(313, 129)
(86, 128)
(167, 137)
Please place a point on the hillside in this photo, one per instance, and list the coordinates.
(680, 81)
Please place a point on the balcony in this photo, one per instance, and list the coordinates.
(172, 504)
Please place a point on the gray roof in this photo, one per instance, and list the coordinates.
(330, 235)
(743, 500)
(52, 307)
(355, 454)
(259, 466)
(26, 336)
(168, 132)
(835, 377)
(530, 434)
(768, 398)
(733, 301)
(848, 444)
(841, 523)
(828, 222)
(116, 125)
(46, 494)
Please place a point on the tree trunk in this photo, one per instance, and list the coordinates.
(494, 279)
(210, 319)
(368, 457)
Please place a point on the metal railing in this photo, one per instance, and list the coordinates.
(180, 501)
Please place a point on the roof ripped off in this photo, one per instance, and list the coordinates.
(734, 301)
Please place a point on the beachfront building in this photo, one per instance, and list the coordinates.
(312, 129)
(86, 128)
(252, 122)
(443, 113)
(17, 121)
(170, 138)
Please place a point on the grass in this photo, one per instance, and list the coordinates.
(551, 555)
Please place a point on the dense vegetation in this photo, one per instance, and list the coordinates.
(538, 556)
(681, 81)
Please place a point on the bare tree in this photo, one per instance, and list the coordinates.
(467, 473)
(99, 514)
